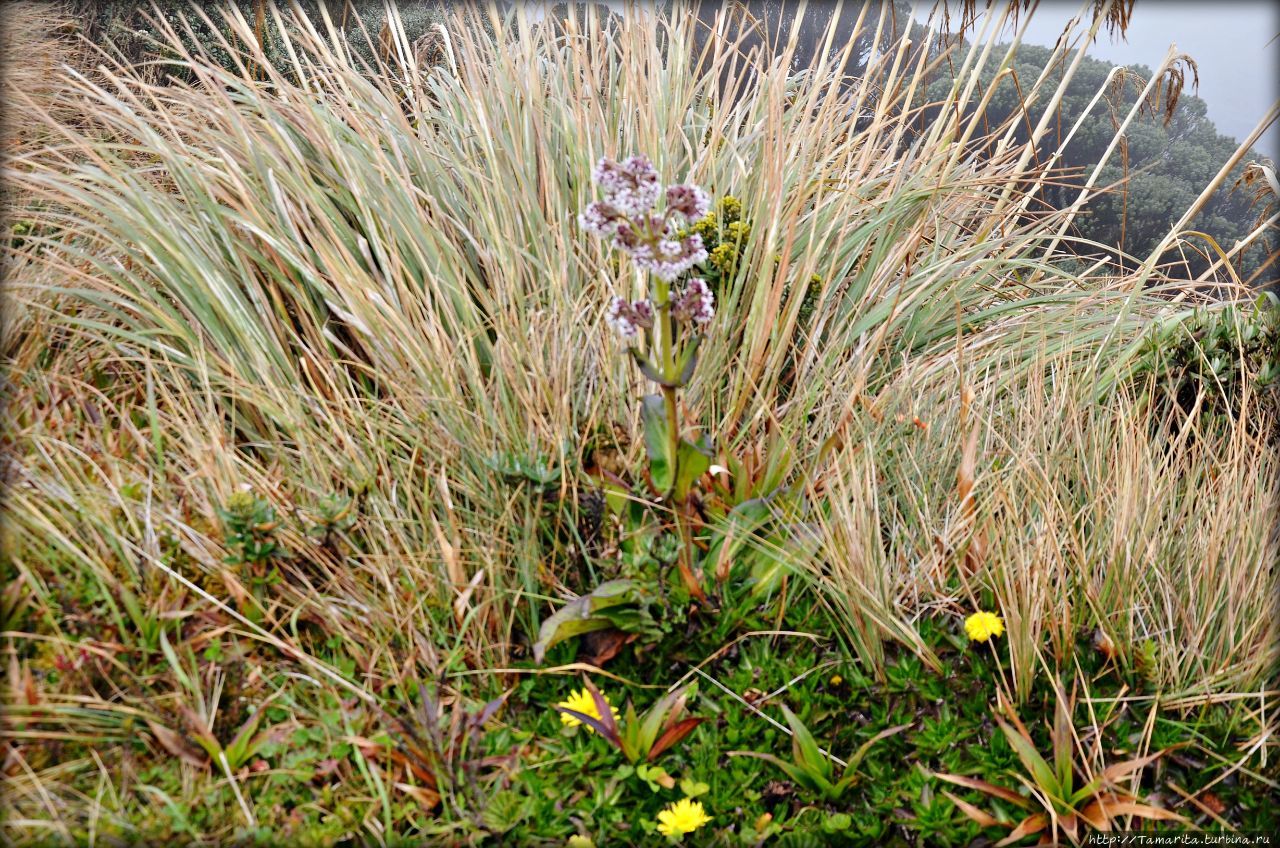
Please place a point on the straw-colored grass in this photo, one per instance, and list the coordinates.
(312, 281)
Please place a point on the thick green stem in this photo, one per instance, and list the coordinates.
(667, 367)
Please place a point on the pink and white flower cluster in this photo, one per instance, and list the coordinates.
(628, 318)
(626, 215)
(694, 303)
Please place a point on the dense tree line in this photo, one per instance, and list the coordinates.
(1167, 156)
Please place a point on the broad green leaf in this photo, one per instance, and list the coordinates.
(694, 461)
(583, 615)
(646, 367)
(807, 753)
(799, 776)
(241, 747)
(693, 788)
(778, 466)
(1062, 744)
(616, 495)
(654, 718)
(657, 442)
(631, 734)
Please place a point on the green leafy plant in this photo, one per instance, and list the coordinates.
(724, 235)
(622, 604)
(812, 768)
(641, 738)
(1214, 354)
(664, 329)
(249, 523)
(236, 753)
(757, 517)
(1058, 800)
(514, 466)
(333, 514)
(442, 753)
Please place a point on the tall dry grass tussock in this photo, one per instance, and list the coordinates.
(313, 281)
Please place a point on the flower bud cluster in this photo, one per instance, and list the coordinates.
(655, 241)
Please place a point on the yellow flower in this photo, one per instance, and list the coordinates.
(582, 702)
(579, 841)
(738, 231)
(836, 680)
(724, 257)
(705, 226)
(684, 816)
(730, 207)
(981, 626)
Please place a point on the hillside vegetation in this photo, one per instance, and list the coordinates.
(365, 483)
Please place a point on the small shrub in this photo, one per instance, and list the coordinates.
(1216, 357)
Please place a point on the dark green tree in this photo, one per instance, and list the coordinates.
(1168, 155)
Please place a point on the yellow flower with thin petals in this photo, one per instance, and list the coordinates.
(582, 702)
(981, 626)
(684, 816)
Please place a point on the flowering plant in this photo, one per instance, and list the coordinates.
(981, 626)
(638, 737)
(663, 329)
(583, 702)
(684, 816)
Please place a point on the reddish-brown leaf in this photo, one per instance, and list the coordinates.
(610, 734)
(984, 819)
(1095, 817)
(1215, 804)
(1144, 811)
(673, 735)
(1113, 773)
(605, 711)
(599, 646)
(1026, 827)
(176, 745)
(424, 795)
(323, 769)
(989, 788)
